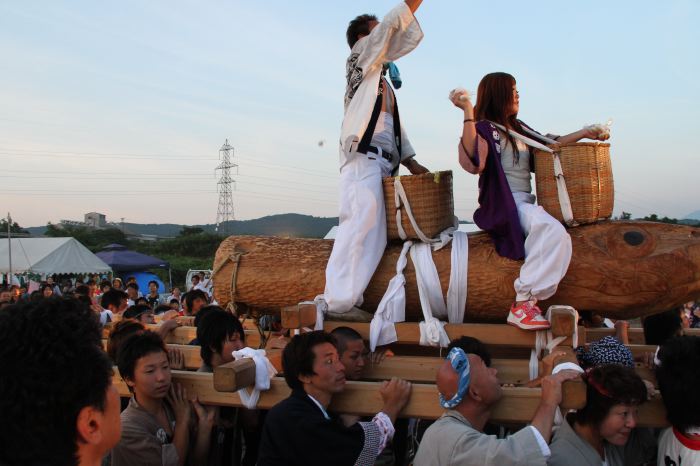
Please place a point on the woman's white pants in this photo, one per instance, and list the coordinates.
(547, 250)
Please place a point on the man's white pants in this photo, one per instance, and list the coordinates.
(547, 250)
(361, 237)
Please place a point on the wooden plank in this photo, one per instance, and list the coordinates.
(234, 375)
(184, 335)
(636, 335)
(518, 405)
(490, 334)
(299, 316)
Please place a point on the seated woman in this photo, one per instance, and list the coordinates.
(494, 145)
(603, 432)
(158, 426)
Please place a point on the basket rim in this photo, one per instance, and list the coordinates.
(584, 144)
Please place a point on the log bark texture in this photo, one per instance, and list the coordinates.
(621, 269)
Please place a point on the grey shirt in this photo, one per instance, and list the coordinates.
(451, 440)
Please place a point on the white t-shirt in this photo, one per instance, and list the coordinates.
(103, 316)
(675, 449)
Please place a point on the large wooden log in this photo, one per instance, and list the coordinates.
(620, 269)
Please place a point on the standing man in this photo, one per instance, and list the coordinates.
(372, 145)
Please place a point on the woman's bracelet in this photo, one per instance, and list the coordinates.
(469, 119)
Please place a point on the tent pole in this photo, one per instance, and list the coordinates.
(9, 245)
(170, 277)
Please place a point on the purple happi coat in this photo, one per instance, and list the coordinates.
(497, 213)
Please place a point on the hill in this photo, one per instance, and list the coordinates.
(296, 225)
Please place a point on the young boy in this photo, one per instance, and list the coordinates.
(158, 426)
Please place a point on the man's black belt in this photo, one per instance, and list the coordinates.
(385, 155)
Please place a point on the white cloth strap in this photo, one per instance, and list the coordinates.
(457, 291)
(392, 307)
(264, 371)
(562, 192)
(430, 294)
(321, 309)
(544, 340)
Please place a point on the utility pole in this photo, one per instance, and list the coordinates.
(224, 213)
(9, 246)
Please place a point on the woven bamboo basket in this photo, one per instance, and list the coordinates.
(431, 201)
(589, 181)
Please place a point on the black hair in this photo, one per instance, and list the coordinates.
(658, 328)
(214, 328)
(135, 311)
(344, 335)
(142, 301)
(52, 366)
(204, 311)
(121, 331)
(155, 283)
(136, 347)
(174, 301)
(113, 298)
(473, 346)
(679, 378)
(607, 386)
(83, 290)
(192, 295)
(298, 356)
(104, 283)
(357, 27)
(133, 285)
(161, 308)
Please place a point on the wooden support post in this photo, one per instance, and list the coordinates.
(233, 376)
(563, 321)
(299, 316)
(572, 390)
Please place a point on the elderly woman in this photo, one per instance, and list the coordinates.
(603, 432)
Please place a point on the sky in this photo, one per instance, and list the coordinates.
(122, 107)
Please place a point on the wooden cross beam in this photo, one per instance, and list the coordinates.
(304, 315)
(518, 405)
(184, 335)
(636, 335)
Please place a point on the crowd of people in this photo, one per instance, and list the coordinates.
(61, 407)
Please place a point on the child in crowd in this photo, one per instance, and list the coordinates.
(158, 426)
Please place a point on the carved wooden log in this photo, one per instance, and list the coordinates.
(619, 269)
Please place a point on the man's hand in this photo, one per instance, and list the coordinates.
(395, 393)
(551, 386)
(414, 167)
(181, 405)
(176, 358)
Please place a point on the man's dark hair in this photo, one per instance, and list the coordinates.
(161, 308)
(142, 301)
(91, 282)
(113, 298)
(52, 366)
(204, 311)
(607, 386)
(122, 330)
(194, 294)
(82, 290)
(155, 283)
(344, 335)
(658, 328)
(136, 347)
(678, 377)
(357, 27)
(214, 328)
(473, 346)
(135, 311)
(298, 356)
(133, 285)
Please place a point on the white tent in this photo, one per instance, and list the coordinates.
(48, 256)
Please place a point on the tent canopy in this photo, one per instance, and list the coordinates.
(49, 256)
(123, 260)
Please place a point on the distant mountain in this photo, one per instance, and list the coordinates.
(295, 225)
(693, 215)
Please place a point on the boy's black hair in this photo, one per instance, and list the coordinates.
(358, 26)
(214, 328)
(155, 283)
(135, 311)
(473, 346)
(678, 377)
(83, 290)
(122, 331)
(194, 294)
(658, 328)
(133, 285)
(113, 298)
(134, 348)
(298, 356)
(161, 308)
(344, 335)
(52, 366)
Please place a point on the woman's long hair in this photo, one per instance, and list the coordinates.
(494, 99)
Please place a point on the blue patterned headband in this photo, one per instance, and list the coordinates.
(460, 363)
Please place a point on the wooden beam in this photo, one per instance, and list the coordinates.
(299, 316)
(184, 335)
(234, 375)
(518, 405)
(636, 335)
(490, 334)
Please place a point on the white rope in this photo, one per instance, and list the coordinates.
(544, 340)
(399, 198)
(264, 371)
(432, 331)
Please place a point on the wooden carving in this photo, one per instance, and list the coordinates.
(621, 269)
